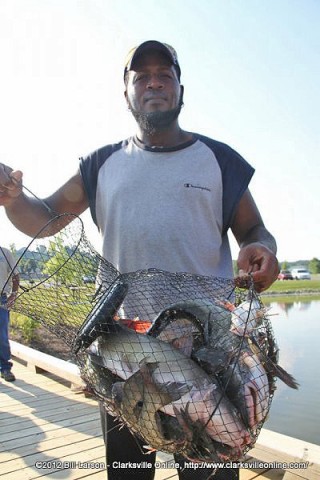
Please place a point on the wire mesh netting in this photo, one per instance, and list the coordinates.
(187, 362)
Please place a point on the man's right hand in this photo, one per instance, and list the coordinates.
(10, 184)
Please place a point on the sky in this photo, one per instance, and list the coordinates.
(251, 72)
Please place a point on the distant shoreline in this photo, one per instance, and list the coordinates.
(273, 293)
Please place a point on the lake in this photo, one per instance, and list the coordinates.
(296, 326)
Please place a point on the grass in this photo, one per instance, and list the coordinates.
(298, 286)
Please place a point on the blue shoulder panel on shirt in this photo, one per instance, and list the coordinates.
(89, 169)
(236, 175)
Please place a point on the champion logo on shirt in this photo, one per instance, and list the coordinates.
(190, 185)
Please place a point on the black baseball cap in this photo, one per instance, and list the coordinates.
(152, 45)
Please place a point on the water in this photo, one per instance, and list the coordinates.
(296, 327)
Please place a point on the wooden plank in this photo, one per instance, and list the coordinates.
(302, 458)
(52, 442)
(53, 400)
(260, 474)
(56, 418)
(61, 453)
(53, 464)
(39, 440)
(66, 370)
(45, 431)
(52, 416)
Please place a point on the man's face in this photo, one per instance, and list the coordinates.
(153, 86)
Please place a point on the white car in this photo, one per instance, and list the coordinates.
(301, 274)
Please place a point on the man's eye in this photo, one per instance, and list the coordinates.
(140, 77)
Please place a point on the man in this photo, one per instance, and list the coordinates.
(165, 199)
(9, 285)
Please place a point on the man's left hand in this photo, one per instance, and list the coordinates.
(260, 262)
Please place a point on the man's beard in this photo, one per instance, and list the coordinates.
(154, 122)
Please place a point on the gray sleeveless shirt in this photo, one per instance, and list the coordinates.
(166, 208)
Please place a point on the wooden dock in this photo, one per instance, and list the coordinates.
(49, 429)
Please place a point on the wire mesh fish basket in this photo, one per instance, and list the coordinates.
(187, 362)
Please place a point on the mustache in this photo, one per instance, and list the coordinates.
(152, 95)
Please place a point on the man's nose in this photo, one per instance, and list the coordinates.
(155, 82)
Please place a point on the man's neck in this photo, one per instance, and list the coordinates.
(169, 137)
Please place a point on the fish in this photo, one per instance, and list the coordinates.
(246, 321)
(139, 399)
(247, 316)
(227, 357)
(179, 327)
(246, 384)
(124, 352)
(270, 358)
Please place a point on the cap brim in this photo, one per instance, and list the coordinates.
(155, 46)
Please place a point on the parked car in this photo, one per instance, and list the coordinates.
(300, 274)
(285, 275)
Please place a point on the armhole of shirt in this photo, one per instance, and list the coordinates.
(236, 175)
(89, 170)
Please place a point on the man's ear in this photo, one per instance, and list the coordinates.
(126, 97)
(181, 94)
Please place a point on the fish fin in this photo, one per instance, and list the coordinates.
(275, 369)
(169, 391)
(176, 390)
(183, 422)
(281, 373)
(160, 322)
(147, 368)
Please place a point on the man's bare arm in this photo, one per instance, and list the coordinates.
(29, 214)
(258, 247)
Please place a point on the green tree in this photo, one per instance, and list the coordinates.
(235, 267)
(314, 265)
(59, 267)
(13, 249)
(30, 265)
